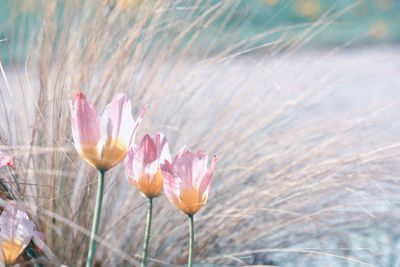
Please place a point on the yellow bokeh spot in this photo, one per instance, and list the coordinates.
(379, 30)
(11, 250)
(384, 4)
(271, 2)
(308, 8)
(128, 4)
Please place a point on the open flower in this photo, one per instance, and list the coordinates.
(16, 232)
(187, 180)
(6, 161)
(103, 141)
(143, 164)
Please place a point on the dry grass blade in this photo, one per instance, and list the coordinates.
(309, 152)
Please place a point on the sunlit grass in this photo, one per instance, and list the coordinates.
(299, 168)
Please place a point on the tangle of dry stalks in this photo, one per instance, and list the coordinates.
(307, 162)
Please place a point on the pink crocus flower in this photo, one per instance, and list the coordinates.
(103, 141)
(187, 180)
(6, 161)
(143, 164)
(16, 232)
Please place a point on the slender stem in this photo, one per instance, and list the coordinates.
(147, 233)
(96, 220)
(191, 241)
(32, 254)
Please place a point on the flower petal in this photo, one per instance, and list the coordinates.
(187, 180)
(206, 181)
(171, 182)
(143, 166)
(116, 122)
(161, 143)
(183, 169)
(147, 152)
(199, 168)
(172, 187)
(15, 224)
(84, 122)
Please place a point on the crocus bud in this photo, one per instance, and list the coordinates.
(16, 232)
(103, 141)
(143, 164)
(187, 180)
(6, 161)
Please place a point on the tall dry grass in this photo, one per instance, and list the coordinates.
(300, 170)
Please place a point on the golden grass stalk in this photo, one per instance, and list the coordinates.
(296, 171)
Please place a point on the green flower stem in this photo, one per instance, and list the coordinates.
(96, 220)
(147, 233)
(191, 241)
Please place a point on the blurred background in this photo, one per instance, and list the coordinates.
(299, 97)
(356, 23)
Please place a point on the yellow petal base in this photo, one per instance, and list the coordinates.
(113, 152)
(151, 185)
(190, 201)
(11, 250)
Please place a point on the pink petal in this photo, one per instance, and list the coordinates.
(199, 167)
(148, 150)
(206, 182)
(143, 159)
(15, 224)
(167, 168)
(116, 122)
(161, 143)
(180, 153)
(6, 161)
(171, 183)
(84, 122)
(183, 169)
(187, 180)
